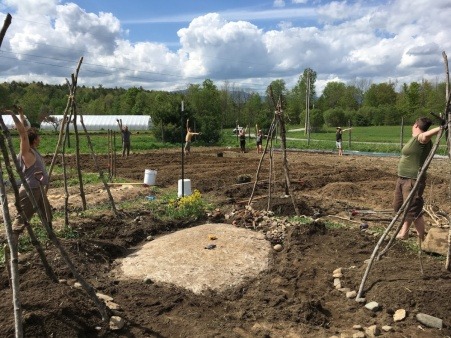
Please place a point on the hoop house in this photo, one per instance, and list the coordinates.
(9, 121)
(103, 122)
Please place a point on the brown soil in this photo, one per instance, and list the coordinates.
(295, 297)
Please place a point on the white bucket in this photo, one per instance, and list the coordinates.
(186, 185)
(150, 176)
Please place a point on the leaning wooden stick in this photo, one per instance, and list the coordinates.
(5, 27)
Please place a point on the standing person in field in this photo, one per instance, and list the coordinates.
(242, 137)
(33, 168)
(259, 139)
(413, 155)
(188, 138)
(339, 140)
(125, 139)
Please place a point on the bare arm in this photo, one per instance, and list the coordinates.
(25, 148)
(426, 136)
(119, 122)
(187, 125)
(22, 118)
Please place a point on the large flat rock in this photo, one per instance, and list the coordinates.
(182, 259)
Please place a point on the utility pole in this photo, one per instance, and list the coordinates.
(308, 107)
(182, 119)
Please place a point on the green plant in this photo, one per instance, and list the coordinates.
(68, 233)
(187, 207)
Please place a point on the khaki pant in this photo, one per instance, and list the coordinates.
(28, 209)
(403, 188)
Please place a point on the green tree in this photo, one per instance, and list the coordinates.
(335, 117)
(316, 120)
(297, 97)
(279, 91)
(206, 109)
(258, 112)
(380, 94)
(333, 96)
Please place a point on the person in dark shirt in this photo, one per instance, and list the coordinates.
(242, 137)
(259, 139)
(413, 155)
(125, 139)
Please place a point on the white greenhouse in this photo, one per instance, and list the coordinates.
(8, 120)
(103, 122)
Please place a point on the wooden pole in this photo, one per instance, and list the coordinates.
(102, 177)
(114, 154)
(13, 263)
(270, 133)
(5, 27)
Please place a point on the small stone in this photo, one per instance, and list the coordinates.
(112, 305)
(360, 299)
(339, 270)
(387, 328)
(338, 275)
(337, 283)
(62, 281)
(116, 323)
(373, 306)
(372, 331)
(104, 297)
(344, 290)
(430, 321)
(351, 294)
(399, 315)
(149, 238)
(77, 285)
(358, 327)
(278, 247)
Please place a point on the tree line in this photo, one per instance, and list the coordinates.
(212, 108)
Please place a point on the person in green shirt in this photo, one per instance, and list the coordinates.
(413, 155)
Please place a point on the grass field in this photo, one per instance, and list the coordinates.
(381, 139)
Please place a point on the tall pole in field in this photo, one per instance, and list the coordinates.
(308, 107)
(183, 151)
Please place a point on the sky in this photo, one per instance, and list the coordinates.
(242, 44)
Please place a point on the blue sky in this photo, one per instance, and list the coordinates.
(159, 21)
(241, 44)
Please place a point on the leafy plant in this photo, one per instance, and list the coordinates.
(187, 207)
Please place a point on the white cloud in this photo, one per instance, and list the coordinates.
(279, 3)
(340, 40)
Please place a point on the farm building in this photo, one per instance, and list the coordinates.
(103, 122)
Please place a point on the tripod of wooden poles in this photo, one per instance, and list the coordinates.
(277, 122)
